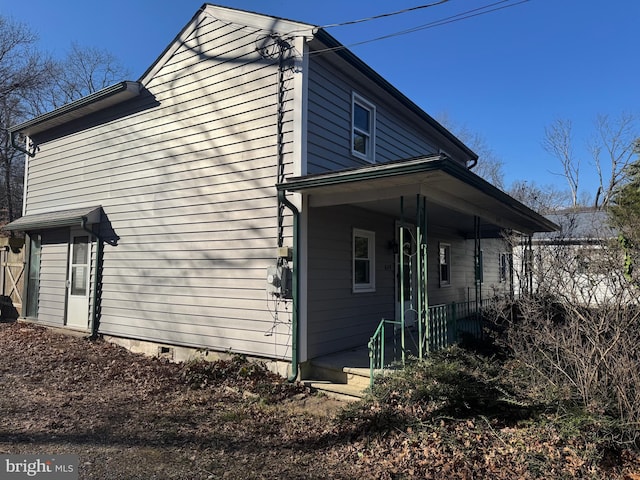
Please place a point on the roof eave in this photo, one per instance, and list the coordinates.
(92, 103)
(352, 59)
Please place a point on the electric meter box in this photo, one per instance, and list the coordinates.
(279, 281)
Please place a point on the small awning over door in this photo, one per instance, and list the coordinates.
(62, 218)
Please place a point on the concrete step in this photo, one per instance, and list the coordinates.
(356, 377)
(339, 391)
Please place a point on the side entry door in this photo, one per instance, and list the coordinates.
(78, 280)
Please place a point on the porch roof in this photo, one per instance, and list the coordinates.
(61, 218)
(442, 181)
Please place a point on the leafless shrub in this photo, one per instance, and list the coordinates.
(576, 326)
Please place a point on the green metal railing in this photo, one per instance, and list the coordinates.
(446, 324)
(377, 344)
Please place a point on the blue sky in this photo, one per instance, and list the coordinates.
(505, 75)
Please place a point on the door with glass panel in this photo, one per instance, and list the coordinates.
(78, 281)
(406, 284)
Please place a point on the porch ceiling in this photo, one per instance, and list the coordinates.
(452, 191)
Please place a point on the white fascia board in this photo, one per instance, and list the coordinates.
(278, 25)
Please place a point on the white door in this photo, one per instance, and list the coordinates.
(78, 281)
(407, 254)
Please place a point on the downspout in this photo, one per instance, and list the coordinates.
(282, 198)
(99, 247)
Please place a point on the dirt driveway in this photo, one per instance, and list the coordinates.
(132, 417)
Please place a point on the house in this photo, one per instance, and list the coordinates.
(574, 263)
(259, 190)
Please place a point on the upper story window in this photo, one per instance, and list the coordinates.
(363, 128)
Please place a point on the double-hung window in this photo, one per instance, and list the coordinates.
(363, 127)
(364, 261)
(504, 261)
(444, 262)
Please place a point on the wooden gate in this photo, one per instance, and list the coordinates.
(12, 253)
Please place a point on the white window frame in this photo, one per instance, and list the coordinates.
(447, 282)
(370, 144)
(369, 286)
(503, 267)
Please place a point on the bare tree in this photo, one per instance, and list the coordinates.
(83, 71)
(558, 141)
(31, 84)
(542, 199)
(615, 140)
(611, 148)
(489, 166)
(22, 70)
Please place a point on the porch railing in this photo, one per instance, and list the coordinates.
(378, 352)
(446, 325)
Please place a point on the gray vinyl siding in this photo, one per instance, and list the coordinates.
(338, 318)
(53, 276)
(329, 121)
(186, 176)
(462, 286)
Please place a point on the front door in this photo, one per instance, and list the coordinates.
(78, 281)
(406, 275)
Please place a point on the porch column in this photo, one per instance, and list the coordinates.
(421, 260)
(401, 280)
(477, 259)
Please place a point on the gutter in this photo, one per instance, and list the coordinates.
(294, 285)
(93, 102)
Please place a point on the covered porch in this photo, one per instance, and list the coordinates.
(428, 227)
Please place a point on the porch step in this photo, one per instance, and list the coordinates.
(342, 375)
(356, 377)
(339, 391)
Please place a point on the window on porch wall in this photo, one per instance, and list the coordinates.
(480, 267)
(444, 262)
(364, 262)
(504, 260)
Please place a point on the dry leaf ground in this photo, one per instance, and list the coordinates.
(132, 417)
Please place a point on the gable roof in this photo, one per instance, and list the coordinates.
(125, 90)
(255, 20)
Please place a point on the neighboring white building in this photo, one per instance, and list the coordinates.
(573, 263)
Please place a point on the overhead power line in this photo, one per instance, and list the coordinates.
(385, 15)
(489, 8)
